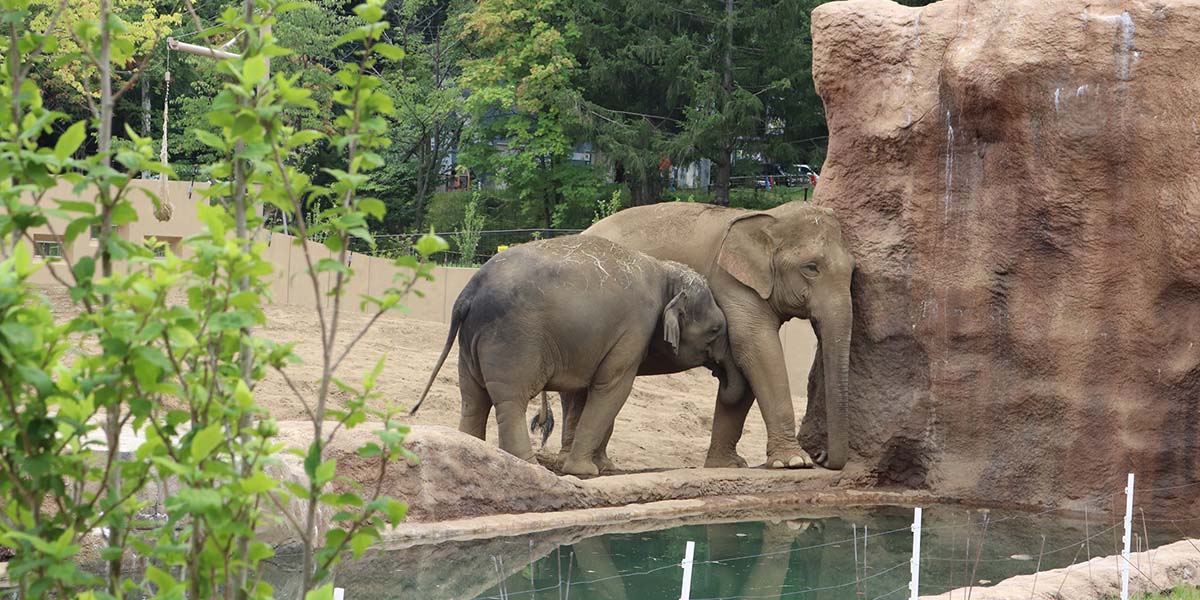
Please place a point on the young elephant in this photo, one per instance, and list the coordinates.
(572, 314)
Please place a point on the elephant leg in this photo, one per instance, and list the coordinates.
(728, 422)
(759, 353)
(511, 405)
(572, 407)
(605, 399)
(476, 406)
(600, 457)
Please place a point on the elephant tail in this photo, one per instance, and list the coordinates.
(461, 307)
(543, 421)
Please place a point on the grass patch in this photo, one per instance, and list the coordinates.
(1179, 592)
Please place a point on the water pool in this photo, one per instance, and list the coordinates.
(787, 555)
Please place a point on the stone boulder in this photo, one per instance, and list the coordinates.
(456, 476)
(1019, 181)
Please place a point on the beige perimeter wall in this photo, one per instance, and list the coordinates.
(291, 286)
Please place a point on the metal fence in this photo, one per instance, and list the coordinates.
(490, 242)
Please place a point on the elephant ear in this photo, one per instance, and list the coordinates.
(672, 315)
(747, 250)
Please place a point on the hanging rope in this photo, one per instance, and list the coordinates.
(163, 209)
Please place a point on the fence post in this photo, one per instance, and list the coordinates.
(1127, 538)
(915, 566)
(686, 592)
(339, 593)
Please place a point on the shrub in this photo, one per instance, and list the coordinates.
(468, 237)
(134, 360)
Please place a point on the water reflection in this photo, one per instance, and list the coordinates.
(789, 556)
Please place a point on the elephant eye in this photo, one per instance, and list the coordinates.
(810, 269)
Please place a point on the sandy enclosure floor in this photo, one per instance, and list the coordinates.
(665, 424)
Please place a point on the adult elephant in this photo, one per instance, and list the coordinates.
(764, 268)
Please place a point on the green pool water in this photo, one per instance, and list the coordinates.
(783, 556)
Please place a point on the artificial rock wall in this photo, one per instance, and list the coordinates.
(1019, 181)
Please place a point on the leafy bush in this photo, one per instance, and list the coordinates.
(468, 237)
(135, 361)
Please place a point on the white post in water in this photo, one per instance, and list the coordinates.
(339, 594)
(1127, 538)
(686, 592)
(915, 566)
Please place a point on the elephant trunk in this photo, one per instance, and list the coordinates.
(833, 334)
(732, 383)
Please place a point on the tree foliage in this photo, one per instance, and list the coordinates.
(161, 354)
(512, 89)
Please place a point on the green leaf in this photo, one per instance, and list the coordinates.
(325, 471)
(84, 268)
(123, 214)
(22, 258)
(258, 482)
(209, 139)
(361, 542)
(313, 459)
(324, 592)
(396, 511)
(430, 244)
(389, 51)
(70, 140)
(369, 379)
(373, 207)
(206, 440)
(18, 335)
(213, 217)
(303, 137)
(160, 578)
(241, 395)
(37, 378)
(181, 337)
(254, 69)
(244, 300)
(195, 500)
(369, 12)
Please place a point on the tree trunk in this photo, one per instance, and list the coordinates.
(725, 164)
(423, 177)
(724, 171)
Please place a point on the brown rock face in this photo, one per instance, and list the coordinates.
(1019, 181)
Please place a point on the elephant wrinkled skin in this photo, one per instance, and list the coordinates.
(576, 314)
(764, 268)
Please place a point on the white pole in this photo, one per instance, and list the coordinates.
(178, 46)
(1127, 538)
(915, 566)
(686, 592)
(339, 594)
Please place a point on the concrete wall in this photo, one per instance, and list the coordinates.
(292, 285)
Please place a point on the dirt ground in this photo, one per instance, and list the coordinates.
(665, 423)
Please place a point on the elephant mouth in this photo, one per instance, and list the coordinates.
(717, 370)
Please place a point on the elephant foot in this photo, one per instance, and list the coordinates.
(604, 463)
(822, 459)
(580, 467)
(719, 460)
(792, 458)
